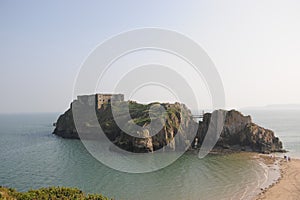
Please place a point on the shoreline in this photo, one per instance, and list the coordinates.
(271, 175)
(288, 184)
(268, 175)
(276, 170)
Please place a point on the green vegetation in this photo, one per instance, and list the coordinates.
(51, 193)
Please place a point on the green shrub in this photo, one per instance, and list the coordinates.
(51, 193)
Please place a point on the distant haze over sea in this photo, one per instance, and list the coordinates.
(274, 107)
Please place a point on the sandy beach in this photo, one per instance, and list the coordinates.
(288, 186)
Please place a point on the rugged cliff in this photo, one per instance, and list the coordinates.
(177, 133)
(178, 121)
(240, 133)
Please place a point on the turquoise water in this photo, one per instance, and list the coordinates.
(31, 157)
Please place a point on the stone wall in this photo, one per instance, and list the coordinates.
(106, 99)
(98, 99)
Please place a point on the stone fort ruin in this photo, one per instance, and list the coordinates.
(99, 99)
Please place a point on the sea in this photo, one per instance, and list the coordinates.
(32, 157)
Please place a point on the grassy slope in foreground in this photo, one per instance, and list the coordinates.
(48, 193)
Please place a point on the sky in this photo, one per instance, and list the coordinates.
(255, 46)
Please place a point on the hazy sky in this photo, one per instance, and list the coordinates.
(255, 46)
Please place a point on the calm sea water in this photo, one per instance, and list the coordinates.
(31, 157)
(285, 124)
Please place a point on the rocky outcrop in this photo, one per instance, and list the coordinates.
(177, 133)
(65, 127)
(178, 122)
(240, 133)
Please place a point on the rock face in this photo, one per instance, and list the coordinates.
(179, 131)
(239, 132)
(178, 122)
(65, 127)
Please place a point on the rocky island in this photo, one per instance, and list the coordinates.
(179, 131)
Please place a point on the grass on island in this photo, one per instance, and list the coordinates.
(51, 193)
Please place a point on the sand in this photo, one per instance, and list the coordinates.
(288, 187)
